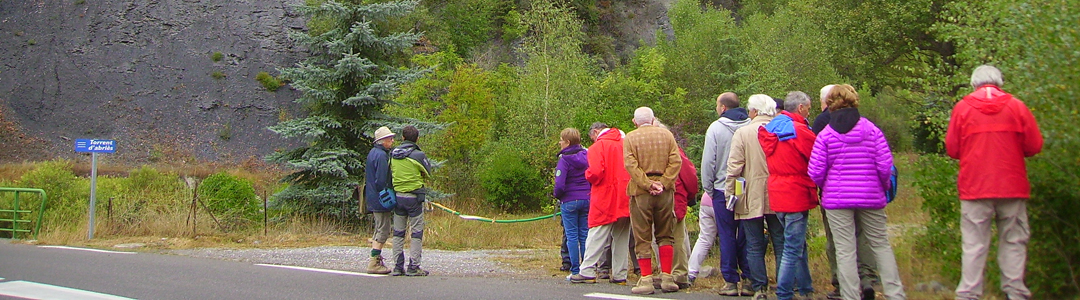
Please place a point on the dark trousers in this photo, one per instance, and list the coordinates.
(731, 240)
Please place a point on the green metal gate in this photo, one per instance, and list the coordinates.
(16, 215)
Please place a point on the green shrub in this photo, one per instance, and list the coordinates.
(80, 2)
(510, 183)
(929, 125)
(217, 75)
(146, 179)
(890, 113)
(229, 197)
(31, 42)
(216, 57)
(935, 178)
(67, 195)
(268, 82)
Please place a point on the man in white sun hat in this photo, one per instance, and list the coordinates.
(377, 178)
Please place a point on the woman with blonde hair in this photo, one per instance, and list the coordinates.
(851, 162)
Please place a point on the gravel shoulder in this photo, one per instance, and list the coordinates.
(469, 263)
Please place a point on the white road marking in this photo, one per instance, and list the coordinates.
(618, 297)
(86, 249)
(321, 270)
(33, 290)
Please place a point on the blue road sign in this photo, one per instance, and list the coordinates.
(96, 146)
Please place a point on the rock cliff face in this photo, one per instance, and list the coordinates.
(141, 72)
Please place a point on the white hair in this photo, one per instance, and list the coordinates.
(825, 92)
(986, 74)
(643, 115)
(763, 104)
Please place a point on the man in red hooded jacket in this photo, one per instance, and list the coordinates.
(609, 205)
(787, 142)
(991, 133)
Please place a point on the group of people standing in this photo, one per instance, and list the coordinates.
(763, 169)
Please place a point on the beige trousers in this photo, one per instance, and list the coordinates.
(680, 264)
(1012, 223)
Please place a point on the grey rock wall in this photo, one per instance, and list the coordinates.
(140, 72)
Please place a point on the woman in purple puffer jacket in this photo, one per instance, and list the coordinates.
(851, 163)
(572, 190)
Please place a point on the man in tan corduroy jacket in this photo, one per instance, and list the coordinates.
(653, 161)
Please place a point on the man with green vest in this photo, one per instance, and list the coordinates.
(409, 166)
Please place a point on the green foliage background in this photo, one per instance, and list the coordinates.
(506, 76)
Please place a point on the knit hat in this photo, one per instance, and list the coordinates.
(383, 133)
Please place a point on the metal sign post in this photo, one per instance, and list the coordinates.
(94, 147)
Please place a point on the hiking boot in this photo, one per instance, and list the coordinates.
(834, 295)
(578, 278)
(667, 283)
(683, 285)
(397, 272)
(603, 274)
(746, 289)
(761, 294)
(618, 281)
(375, 266)
(868, 293)
(656, 281)
(644, 286)
(730, 289)
(417, 271)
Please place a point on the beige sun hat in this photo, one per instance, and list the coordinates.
(383, 133)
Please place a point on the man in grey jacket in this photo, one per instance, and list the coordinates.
(713, 174)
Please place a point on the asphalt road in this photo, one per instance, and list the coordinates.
(40, 272)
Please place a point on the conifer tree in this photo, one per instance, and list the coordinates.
(353, 70)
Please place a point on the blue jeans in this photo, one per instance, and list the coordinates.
(794, 270)
(732, 243)
(756, 244)
(575, 220)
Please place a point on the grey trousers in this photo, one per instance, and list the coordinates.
(843, 223)
(1013, 233)
(867, 262)
(409, 214)
(382, 226)
(618, 235)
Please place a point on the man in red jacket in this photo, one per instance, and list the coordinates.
(787, 142)
(991, 133)
(609, 206)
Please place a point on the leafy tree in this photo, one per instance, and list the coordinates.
(353, 70)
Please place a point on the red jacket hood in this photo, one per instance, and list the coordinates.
(613, 134)
(769, 140)
(988, 99)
